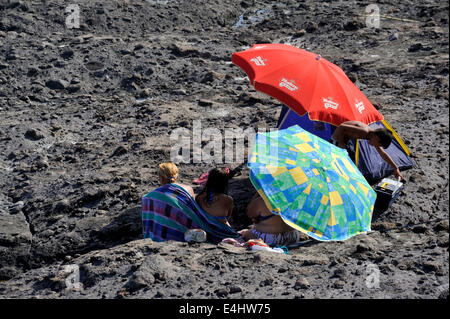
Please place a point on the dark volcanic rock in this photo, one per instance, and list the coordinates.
(56, 84)
(15, 244)
(34, 134)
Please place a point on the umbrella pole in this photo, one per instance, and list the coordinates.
(285, 117)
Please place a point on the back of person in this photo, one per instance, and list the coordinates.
(213, 199)
(265, 221)
(168, 174)
(218, 207)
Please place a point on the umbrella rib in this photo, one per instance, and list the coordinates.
(345, 94)
(315, 86)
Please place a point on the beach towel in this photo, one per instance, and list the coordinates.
(169, 211)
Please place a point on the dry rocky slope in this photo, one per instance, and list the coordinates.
(86, 115)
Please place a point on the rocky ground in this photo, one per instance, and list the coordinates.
(87, 113)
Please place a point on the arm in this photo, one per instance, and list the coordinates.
(348, 130)
(190, 190)
(355, 129)
(385, 156)
(230, 208)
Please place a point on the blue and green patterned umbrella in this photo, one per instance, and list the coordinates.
(313, 185)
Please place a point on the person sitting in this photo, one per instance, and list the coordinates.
(267, 226)
(214, 199)
(168, 174)
(379, 138)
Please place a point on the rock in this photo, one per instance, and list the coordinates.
(61, 206)
(339, 284)
(443, 295)
(442, 225)
(430, 266)
(383, 226)
(353, 25)
(415, 47)
(210, 76)
(68, 54)
(341, 273)
(184, 49)
(202, 102)
(119, 151)
(302, 284)
(153, 269)
(16, 207)
(32, 72)
(221, 292)
(300, 33)
(388, 83)
(393, 37)
(15, 244)
(266, 282)
(420, 229)
(94, 66)
(41, 162)
(311, 27)
(140, 279)
(353, 77)
(56, 84)
(361, 248)
(235, 289)
(34, 134)
(73, 88)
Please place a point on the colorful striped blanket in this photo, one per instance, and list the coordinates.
(169, 211)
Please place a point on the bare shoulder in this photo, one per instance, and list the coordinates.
(226, 198)
(188, 188)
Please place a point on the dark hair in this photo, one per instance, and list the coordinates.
(385, 136)
(217, 183)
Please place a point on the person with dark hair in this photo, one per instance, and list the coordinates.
(379, 138)
(213, 199)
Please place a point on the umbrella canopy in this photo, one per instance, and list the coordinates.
(306, 82)
(312, 184)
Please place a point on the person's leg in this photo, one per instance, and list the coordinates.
(290, 237)
(247, 234)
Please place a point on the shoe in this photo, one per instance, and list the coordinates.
(195, 236)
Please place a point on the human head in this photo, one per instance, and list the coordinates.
(381, 137)
(168, 173)
(217, 182)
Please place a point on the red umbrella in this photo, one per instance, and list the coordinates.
(306, 82)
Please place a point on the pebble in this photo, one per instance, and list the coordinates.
(302, 283)
(34, 134)
(415, 47)
(266, 282)
(442, 225)
(419, 229)
(16, 207)
(235, 289)
(221, 292)
(352, 26)
(311, 27)
(56, 84)
(339, 284)
(393, 37)
(61, 206)
(430, 266)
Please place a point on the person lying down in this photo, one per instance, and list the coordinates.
(267, 226)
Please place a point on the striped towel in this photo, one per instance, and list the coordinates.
(169, 211)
